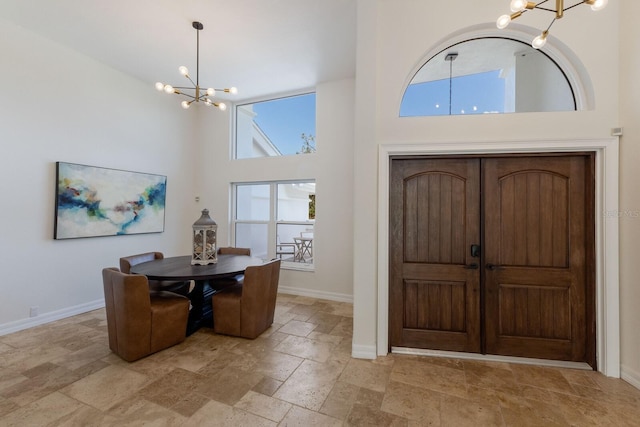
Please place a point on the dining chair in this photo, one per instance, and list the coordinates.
(247, 310)
(223, 282)
(181, 287)
(140, 323)
(234, 251)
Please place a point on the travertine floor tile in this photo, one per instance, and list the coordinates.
(278, 366)
(229, 385)
(106, 387)
(42, 412)
(296, 327)
(310, 384)
(457, 412)
(264, 406)
(340, 400)
(215, 414)
(367, 374)
(413, 403)
(303, 417)
(306, 348)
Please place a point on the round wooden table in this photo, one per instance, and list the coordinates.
(206, 279)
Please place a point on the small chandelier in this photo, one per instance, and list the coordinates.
(196, 93)
(518, 7)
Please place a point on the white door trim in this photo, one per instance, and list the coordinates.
(606, 223)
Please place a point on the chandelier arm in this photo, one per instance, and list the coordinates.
(575, 5)
(554, 10)
(542, 8)
(186, 94)
(192, 82)
(552, 22)
(184, 87)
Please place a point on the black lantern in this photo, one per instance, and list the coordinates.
(204, 240)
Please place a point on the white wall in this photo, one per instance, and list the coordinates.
(330, 166)
(58, 105)
(629, 87)
(393, 39)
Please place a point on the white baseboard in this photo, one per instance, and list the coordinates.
(363, 351)
(630, 376)
(30, 322)
(331, 296)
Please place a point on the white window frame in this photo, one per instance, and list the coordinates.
(272, 223)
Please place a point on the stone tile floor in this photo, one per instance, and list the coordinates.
(298, 373)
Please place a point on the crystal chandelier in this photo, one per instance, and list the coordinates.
(195, 93)
(518, 7)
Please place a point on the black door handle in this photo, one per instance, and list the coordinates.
(475, 251)
(473, 266)
(493, 267)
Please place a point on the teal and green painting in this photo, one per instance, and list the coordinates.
(93, 201)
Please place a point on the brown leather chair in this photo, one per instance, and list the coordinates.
(224, 282)
(247, 310)
(127, 262)
(140, 323)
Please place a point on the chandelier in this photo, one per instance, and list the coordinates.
(195, 93)
(518, 7)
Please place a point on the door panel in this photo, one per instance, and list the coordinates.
(434, 296)
(534, 235)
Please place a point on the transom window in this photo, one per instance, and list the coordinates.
(487, 75)
(276, 220)
(276, 127)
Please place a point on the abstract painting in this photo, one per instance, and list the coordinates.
(93, 201)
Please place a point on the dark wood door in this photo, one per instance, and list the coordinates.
(434, 292)
(531, 294)
(537, 230)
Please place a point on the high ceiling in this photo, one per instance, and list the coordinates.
(263, 47)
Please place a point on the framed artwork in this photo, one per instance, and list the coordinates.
(93, 201)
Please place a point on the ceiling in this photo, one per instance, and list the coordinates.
(263, 47)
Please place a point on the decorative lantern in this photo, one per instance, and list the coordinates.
(204, 240)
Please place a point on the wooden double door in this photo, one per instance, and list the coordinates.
(493, 255)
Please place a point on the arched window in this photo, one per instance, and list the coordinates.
(488, 75)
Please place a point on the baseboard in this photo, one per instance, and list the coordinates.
(363, 351)
(44, 318)
(331, 296)
(630, 376)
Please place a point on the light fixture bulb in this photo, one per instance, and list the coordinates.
(211, 92)
(168, 88)
(221, 106)
(503, 21)
(233, 90)
(518, 5)
(183, 70)
(207, 102)
(540, 41)
(185, 104)
(599, 5)
(159, 86)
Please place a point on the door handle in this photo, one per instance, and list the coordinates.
(475, 251)
(473, 266)
(493, 267)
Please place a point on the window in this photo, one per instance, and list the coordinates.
(487, 75)
(276, 220)
(276, 127)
